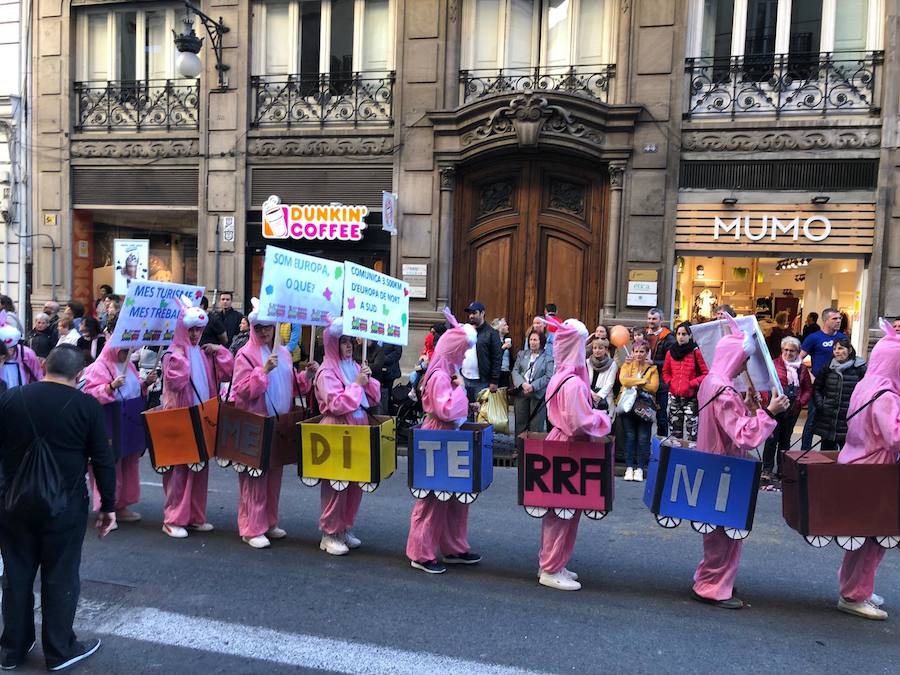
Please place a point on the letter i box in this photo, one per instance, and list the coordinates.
(565, 476)
(709, 490)
(347, 453)
(451, 463)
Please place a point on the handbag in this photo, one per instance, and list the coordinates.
(494, 410)
(644, 407)
(626, 400)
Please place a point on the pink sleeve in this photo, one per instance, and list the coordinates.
(886, 420)
(444, 401)
(334, 397)
(303, 383)
(96, 379)
(571, 412)
(249, 383)
(34, 365)
(176, 370)
(224, 364)
(747, 432)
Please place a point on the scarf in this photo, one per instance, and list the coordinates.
(792, 369)
(199, 376)
(600, 365)
(280, 392)
(679, 351)
(849, 363)
(349, 369)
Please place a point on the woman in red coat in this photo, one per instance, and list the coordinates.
(797, 385)
(683, 371)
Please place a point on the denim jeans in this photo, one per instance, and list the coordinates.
(807, 441)
(637, 441)
(662, 410)
(779, 442)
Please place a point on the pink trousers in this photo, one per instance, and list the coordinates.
(437, 527)
(339, 508)
(128, 483)
(715, 575)
(258, 506)
(185, 492)
(857, 573)
(557, 541)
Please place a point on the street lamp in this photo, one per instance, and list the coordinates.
(189, 45)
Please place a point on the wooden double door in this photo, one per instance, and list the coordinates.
(528, 233)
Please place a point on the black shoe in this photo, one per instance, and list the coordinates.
(467, 558)
(80, 653)
(430, 566)
(9, 663)
(733, 602)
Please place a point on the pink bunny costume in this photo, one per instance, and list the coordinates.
(22, 366)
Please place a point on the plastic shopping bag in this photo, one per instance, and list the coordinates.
(494, 410)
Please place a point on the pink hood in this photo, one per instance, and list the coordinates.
(451, 347)
(445, 404)
(103, 371)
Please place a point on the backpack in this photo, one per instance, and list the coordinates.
(37, 489)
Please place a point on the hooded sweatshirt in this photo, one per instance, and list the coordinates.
(107, 368)
(446, 405)
(22, 365)
(341, 400)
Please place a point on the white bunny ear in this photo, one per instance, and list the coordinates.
(885, 325)
(186, 301)
(255, 303)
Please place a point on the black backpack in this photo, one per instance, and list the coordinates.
(37, 490)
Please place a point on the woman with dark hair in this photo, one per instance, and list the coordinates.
(683, 370)
(834, 384)
(811, 325)
(92, 340)
(797, 386)
(530, 377)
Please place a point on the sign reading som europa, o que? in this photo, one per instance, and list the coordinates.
(312, 221)
(299, 288)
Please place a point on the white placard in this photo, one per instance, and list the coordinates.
(642, 287)
(227, 223)
(760, 366)
(149, 313)
(298, 288)
(642, 300)
(131, 263)
(376, 306)
(389, 212)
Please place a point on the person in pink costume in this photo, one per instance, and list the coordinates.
(570, 411)
(344, 391)
(728, 427)
(191, 374)
(22, 366)
(873, 437)
(265, 383)
(112, 377)
(435, 525)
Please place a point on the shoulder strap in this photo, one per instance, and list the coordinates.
(27, 414)
(546, 400)
(872, 400)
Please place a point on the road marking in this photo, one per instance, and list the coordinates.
(146, 482)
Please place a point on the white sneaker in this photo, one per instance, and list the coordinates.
(333, 545)
(629, 473)
(276, 533)
(201, 527)
(876, 600)
(569, 573)
(864, 609)
(257, 542)
(639, 475)
(559, 581)
(175, 531)
(351, 540)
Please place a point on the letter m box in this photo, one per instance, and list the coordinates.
(451, 462)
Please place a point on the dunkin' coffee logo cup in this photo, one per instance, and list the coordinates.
(274, 220)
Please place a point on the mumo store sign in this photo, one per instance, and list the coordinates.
(312, 221)
(760, 227)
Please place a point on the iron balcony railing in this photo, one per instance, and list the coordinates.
(587, 80)
(352, 98)
(137, 104)
(783, 84)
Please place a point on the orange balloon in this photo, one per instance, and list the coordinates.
(619, 336)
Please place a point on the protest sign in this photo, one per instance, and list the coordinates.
(760, 367)
(376, 306)
(299, 288)
(149, 313)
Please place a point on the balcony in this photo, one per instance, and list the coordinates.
(137, 104)
(783, 84)
(301, 100)
(591, 81)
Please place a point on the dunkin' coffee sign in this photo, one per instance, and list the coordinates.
(312, 221)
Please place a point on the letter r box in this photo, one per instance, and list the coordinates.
(347, 453)
(450, 462)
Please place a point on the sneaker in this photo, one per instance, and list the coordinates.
(733, 602)
(629, 474)
(560, 581)
(876, 600)
(639, 475)
(430, 566)
(569, 573)
(351, 540)
(82, 651)
(127, 516)
(175, 531)
(8, 663)
(201, 527)
(257, 542)
(276, 533)
(467, 558)
(865, 609)
(333, 545)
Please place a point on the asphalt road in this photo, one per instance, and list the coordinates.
(211, 604)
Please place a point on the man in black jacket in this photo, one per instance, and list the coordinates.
(482, 369)
(231, 318)
(385, 360)
(72, 425)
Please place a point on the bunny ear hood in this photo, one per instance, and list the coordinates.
(9, 334)
(732, 351)
(253, 316)
(568, 345)
(331, 337)
(451, 320)
(884, 359)
(190, 317)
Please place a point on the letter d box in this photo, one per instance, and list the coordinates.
(451, 463)
(565, 476)
(347, 453)
(709, 490)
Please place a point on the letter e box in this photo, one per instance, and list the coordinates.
(452, 461)
(364, 453)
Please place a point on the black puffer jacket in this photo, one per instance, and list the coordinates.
(832, 391)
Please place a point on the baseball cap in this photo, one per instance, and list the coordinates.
(475, 307)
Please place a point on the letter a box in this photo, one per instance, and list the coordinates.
(565, 476)
(347, 453)
(457, 462)
(709, 490)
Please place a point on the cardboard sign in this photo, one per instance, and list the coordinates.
(760, 367)
(376, 306)
(566, 474)
(451, 460)
(149, 313)
(365, 453)
(298, 288)
(699, 486)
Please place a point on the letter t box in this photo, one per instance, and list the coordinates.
(458, 461)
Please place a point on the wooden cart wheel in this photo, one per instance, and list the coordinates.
(238, 467)
(595, 515)
(254, 473)
(818, 540)
(443, 495)
(368, 487)
(564, 514)
(162, 469)
(736, 533)
(465, 497)
(702, 528)
(340, 485)
(419, 493)
(223, 462)
(536, 511)
(309, 482)
(198, 467)
(888, 542)
(850, 543)
(668, 522)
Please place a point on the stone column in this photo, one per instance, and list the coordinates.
(445, 236)
(610, 288)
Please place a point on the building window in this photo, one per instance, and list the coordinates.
(783, 56)
(514, 45)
